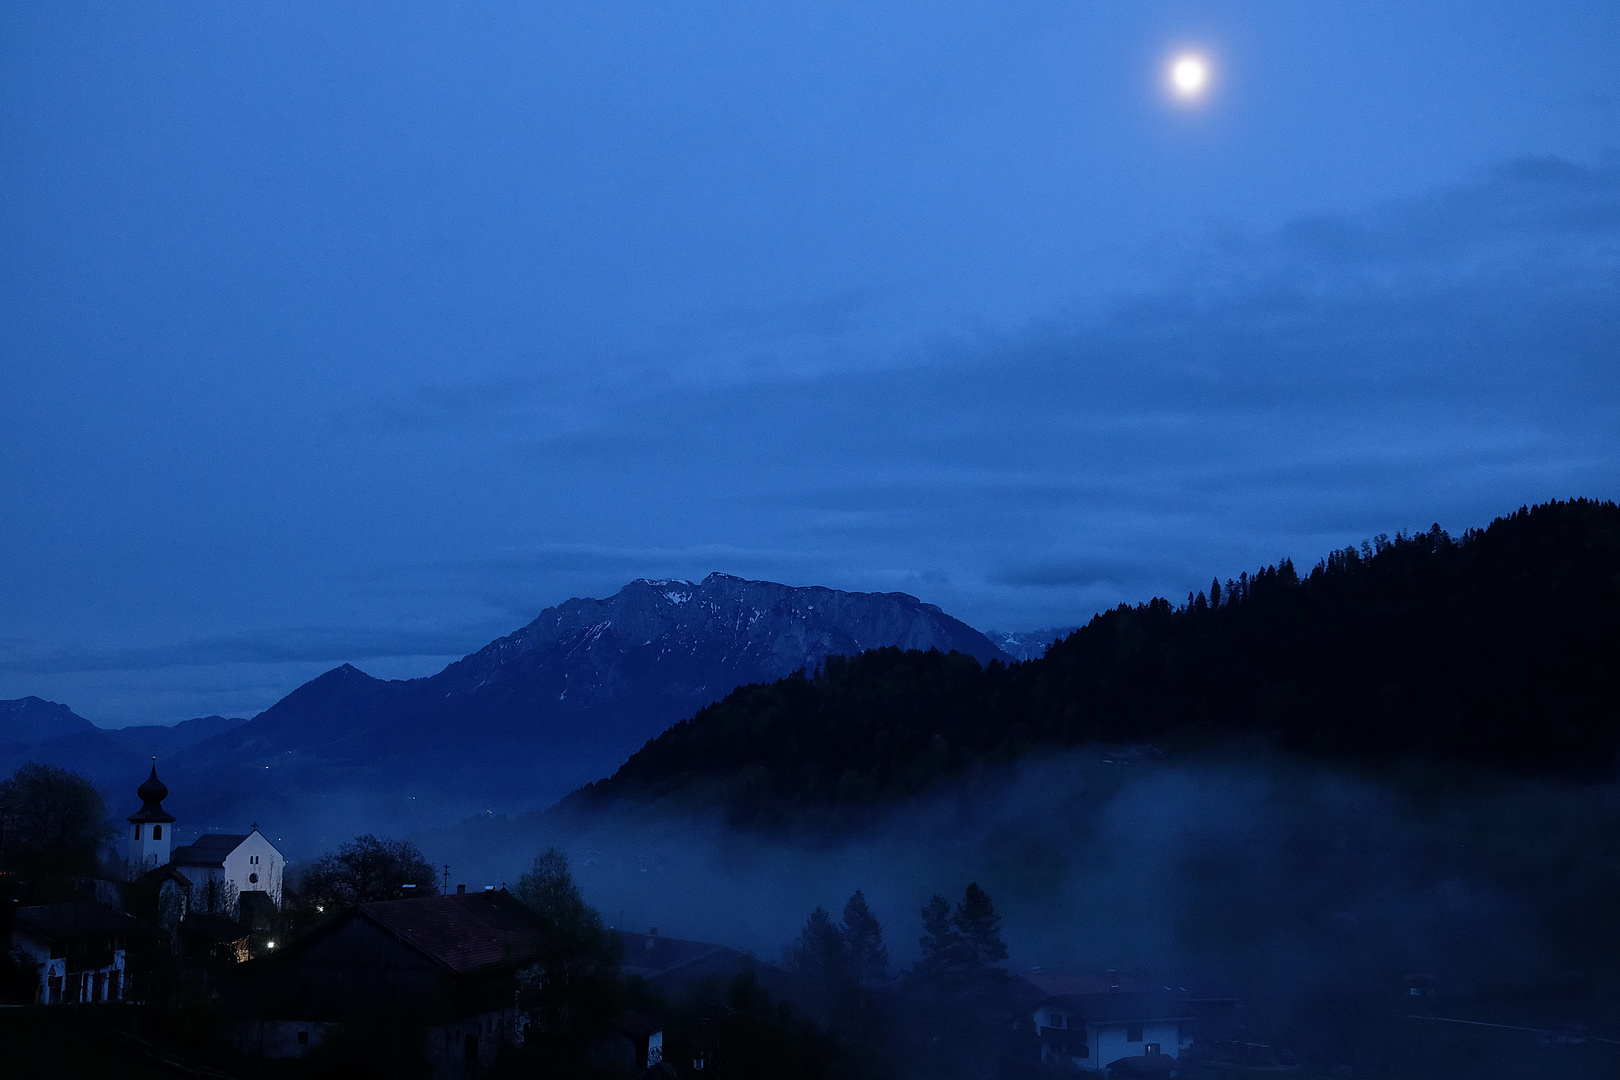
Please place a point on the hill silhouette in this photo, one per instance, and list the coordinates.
(531, 715)
(1499, 647)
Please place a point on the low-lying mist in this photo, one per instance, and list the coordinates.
(1315, 891)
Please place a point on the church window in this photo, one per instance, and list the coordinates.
(157, 832)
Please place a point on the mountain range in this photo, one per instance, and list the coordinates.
(513, 726)
(1028, 644)
(32, 729)
(1496, 650)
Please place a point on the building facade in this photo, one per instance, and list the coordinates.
(77, 951)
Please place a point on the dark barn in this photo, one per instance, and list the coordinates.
(440, 969)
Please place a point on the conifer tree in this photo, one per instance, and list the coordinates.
(819, 953)
(979, 935)
(866, 954)
(819, 958)
(941, 945)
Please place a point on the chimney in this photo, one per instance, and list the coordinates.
(461, 890)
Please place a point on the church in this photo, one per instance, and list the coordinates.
(217, 872)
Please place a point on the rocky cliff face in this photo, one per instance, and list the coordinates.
(534, 714)
(1028, 644)
(696, 642)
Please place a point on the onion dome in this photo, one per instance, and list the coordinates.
(152, 792)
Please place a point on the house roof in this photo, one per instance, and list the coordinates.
(638, 1024)
(167, 872)
(653, 955)
(1065, 984)
(1104, 999)
(1145, 1065)
(465, 932)
(1100, 985)
(65, 922)
(256, 903)
(210, 849)
(214, 929)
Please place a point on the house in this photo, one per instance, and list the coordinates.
(78, 951)
(1106, 1022)
(672, 965)
(214, 874)
(448, 966)
(637, 1043)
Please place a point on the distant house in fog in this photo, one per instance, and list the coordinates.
(1107, 1022)
(77, 951)
(671, 965)
(449, 965)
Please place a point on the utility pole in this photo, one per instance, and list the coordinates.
(446, 890)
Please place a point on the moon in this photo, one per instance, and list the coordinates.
(1189, 76)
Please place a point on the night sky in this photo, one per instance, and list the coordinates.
(363, 332)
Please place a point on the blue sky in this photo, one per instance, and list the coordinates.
(362, 332)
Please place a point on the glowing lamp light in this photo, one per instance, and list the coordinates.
(1189, 76)
(272, 944)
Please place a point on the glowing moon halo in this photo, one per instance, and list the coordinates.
(1189, 76)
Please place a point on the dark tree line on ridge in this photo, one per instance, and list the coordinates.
(1499, 647)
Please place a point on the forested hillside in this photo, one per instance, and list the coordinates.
(1500, 647)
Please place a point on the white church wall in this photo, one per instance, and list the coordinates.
(256, 866)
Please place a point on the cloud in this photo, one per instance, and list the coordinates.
(1079, 571)
(320, 644)
(1278, 392)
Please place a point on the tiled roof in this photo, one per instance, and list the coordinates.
(64, 922)
(639, 1024)
(209, 849)
(1145, 1065)
(1058, 984)
(651, 955)
(1124, 1008)
(467, 931)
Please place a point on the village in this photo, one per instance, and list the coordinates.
(405, 978)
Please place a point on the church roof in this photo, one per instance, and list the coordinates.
(209, 849)
(152, 792)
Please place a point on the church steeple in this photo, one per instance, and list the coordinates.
(149, 843)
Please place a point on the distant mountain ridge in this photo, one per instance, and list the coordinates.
(34, 720)
(1497, 649)
(556, 704)
(1029, 644)
(32, 729)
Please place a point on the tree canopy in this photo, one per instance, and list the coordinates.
(53, 827)
(366, 869)
(960, 948)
